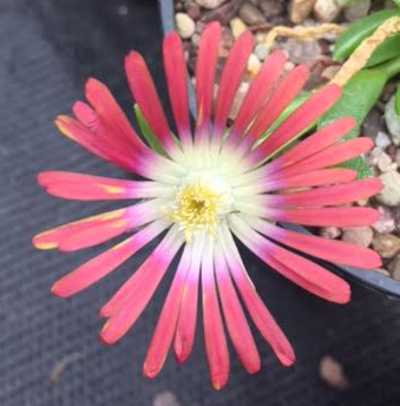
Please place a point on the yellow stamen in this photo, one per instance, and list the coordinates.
(196, 208)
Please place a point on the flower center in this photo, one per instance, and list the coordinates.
(199, 203)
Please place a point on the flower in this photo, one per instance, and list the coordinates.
(203, 191)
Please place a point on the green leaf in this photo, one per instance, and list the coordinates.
(358, 31)
(148, 134)
(360, 94)
(358, 164)
(389, 49)
(397, 2)
(397, 100)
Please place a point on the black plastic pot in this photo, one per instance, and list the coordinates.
(371, 279)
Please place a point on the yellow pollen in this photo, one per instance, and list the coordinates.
(196, 208)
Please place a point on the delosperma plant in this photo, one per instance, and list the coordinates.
(204, 189)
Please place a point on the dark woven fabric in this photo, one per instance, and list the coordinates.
(48, 49)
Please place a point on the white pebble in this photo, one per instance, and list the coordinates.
(185, 25)
(238, 27)
(261, 51)
(390, 195)
(253, 65)
(382, 140)
(392, 121)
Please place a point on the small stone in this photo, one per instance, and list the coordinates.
(165, 398)
(299, 10)
(238, 27)
(210, 4)
(362, 202)
(223, 14)
(387, 245)
(379, 158)
(253, 65)
(391, 151)
(187, 4)
(390, 194)
(306, 52)
(289, 65)
(260, 37)
(331, 38)
(330, 72)
(361, 236)
(330, 232)
(395, 211)
(384, 163)
(271, 8)
(332, 373)
(327, 11)
(382, 140)
(123, 10)
(389, 4)
(386, 223)
(372, 123)
(397, 157)
(227, 41)
(357, 10)
(382, 271)
(185, 25)
(261, 51)
(250, 14)
(392, 121)
(394, 267)
(194, 12)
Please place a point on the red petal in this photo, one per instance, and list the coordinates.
(93, 234)
(302, 118)
(186, 327)
(166, 325)
(145, 95)
(54, 237)
(100, 266)
(330, 250)
(205, 71)
(307, 275)
(74, 130)
(333, 155)
(281, 98)
(316, 142)
(260, 89)
(262, 318)
(299, 270)
(176, 74)
(327, 216)
(160, 258)
(105, 105)
(79, 186)
(214, 335)
(235, 319)
(135, 298)
(232, 75)
(327, 196)
(316, 178)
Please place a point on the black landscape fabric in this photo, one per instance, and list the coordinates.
(49, 351)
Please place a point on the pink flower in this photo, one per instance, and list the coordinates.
(209, 187)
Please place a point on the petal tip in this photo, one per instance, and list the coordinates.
(56, 290)
(38, 243)
(219, 381)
